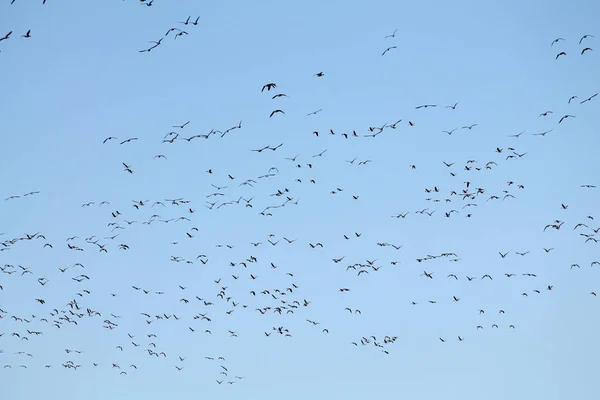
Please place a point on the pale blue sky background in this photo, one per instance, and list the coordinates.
(80, 79)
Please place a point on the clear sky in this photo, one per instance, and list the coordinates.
(211, 278)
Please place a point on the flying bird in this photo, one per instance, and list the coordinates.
(393, 35)
(589, 98)
(565, 117)
(425, 106)
(128, 140)
(388, 49)
(6, 36)
(269, 86)
(181, 126)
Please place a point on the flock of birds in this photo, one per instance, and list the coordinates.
(239, 289)
(583, 50)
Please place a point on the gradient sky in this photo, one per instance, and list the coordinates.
(80, 79)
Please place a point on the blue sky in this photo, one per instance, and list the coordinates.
(80, 79)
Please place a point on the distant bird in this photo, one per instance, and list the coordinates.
(586, 49)
(565, 117)
(28, 35)
(452, 107)
(393, 35)
(6, 36)
(425, 106)
(562, 53)
(275, 112)
(319, 74)
(181, 126)
(585, 37)
(269, 86)
(388, 49)
(556, 41)
(128, 140)
(589, 98)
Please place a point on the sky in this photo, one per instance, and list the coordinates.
(251, 248)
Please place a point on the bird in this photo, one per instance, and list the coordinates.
(269, 86)
(586, 49)
(589, 98)
(275, 112)
(128, 140)
(28, 35)
(585, 37)
(556, 41)
(182, 125)
(6, 36)
(562, 53)
(393, 35)
(565, 117)
(388, 49)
